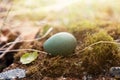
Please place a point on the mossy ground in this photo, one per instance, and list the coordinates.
(94, 60)
(90, 24)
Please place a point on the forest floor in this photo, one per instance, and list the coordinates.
(95, 25)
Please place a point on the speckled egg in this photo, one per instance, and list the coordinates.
(62, 43)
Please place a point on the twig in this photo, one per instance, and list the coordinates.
(99, 42)
(106, 42)
(17, 41)
(16, 50)
(37, 39)
(10, 47)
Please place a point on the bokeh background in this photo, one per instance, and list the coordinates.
(25, 14)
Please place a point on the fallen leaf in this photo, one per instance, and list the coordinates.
(28, 57)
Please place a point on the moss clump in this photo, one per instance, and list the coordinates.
(102, 56)
(112, 28)
(81, 29)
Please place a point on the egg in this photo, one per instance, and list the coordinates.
(62, 43)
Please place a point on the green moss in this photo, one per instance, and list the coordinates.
(81, 28)
(82, 25)
(101, 56)
(100, 36)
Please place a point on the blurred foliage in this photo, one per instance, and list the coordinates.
(34, 3)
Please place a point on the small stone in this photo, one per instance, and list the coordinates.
(14, 73)
(115, 72)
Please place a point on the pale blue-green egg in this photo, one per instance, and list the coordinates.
(62, 43)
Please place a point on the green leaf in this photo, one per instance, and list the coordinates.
(28, 57)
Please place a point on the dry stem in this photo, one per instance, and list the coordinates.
(16, 50)
(37, 39)
(99, 42)
(106, 42)
(18, 41)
